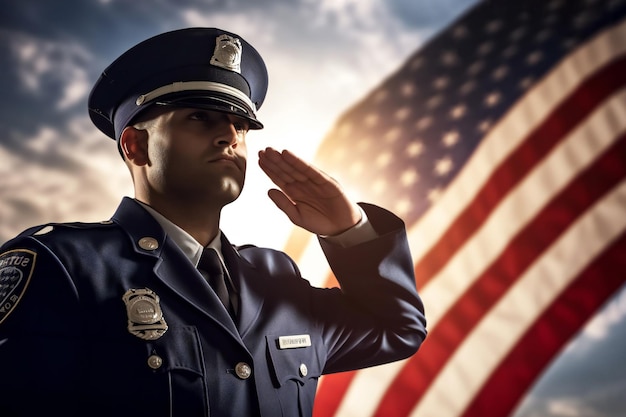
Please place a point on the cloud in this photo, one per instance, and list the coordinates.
(84, 183)
(603, 324)
(588, 400)
(43, 65)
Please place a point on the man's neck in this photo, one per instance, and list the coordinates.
(200, 221)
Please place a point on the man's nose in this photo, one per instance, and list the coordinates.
(227, 135)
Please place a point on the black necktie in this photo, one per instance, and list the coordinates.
(211, 264)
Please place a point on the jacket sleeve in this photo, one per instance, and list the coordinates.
(40, 347)
(377, 315)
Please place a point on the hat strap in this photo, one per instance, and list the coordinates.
(181, 86)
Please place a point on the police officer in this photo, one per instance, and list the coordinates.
(154, 312)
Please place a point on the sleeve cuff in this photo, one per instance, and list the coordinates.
(361, 232)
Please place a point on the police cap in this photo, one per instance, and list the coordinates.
(204, 68)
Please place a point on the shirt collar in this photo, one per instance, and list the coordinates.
(190, 246)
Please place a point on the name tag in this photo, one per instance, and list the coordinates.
(295, 341)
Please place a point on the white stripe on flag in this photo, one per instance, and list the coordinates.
(580, 148)
(540, 285)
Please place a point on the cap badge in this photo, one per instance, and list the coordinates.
(227, 53)
(145, 318)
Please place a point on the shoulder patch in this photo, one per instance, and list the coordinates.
(16, 269)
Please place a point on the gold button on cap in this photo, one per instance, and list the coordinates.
(148, 243)
(243, 370)
(303, 370)
(155, 361)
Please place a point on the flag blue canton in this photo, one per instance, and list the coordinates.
(405, 142)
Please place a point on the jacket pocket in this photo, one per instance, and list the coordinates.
(295, 372)
(150, 377)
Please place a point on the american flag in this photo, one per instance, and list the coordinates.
(502, 144)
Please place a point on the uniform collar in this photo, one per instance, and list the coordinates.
(187, 244)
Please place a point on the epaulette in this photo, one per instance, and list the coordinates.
(43, 229)
(17, 263)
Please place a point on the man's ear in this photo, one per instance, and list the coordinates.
(134, 145)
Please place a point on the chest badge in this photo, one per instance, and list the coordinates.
(145, 318)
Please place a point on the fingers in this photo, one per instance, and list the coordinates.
(285, 168)
(284, 203)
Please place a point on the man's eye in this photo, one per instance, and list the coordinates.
(199, 115)
(241, 127)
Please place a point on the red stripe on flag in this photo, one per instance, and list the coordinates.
(590, 185)
(562, 320)
(331, 393)
(547, 135)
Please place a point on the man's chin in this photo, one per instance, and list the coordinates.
(230, 189)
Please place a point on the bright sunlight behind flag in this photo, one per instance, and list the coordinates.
(502, 144)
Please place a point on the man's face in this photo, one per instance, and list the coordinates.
(197, 154)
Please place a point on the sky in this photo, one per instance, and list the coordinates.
(322, 55)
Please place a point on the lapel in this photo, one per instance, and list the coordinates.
(171, 266)
(246, 278)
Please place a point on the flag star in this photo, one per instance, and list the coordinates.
(443, 166)
(500, 72)
(451, 138)
(402, 113)
(371, 119)
(424, 123)
(458, 111)
(338, 155)
(492, 99)
(379, 186)
(509, 51)
(364, 144)
(550, 20)
(409, 177)
(569, 43)
(555, 4)
(381, 95)
(344, 129)
(468, 87)
(434, 102)
(494, 26)
(415, 148)
(407, 89)
(524, 16)
(383, 159)
(534, 58)
(403, 206)
(434, 194)
(476, 67)
(543, 36)
(526, 82)
(583, 20)
(442, 82)
(416, 63)
(518, 34)
(356, 168)
(484, 125)
(459, 32)
(449, 58)
(485, 48)
(393, 134)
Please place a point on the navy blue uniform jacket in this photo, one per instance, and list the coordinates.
(65, 347)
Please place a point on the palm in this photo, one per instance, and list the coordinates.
(310, 198)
